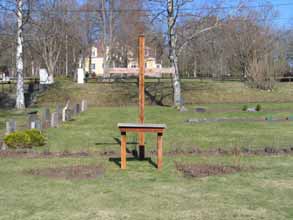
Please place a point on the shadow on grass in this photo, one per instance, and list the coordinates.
(117, 160)
(117, 142)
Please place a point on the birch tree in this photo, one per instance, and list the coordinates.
(172, 17)
(19, 59)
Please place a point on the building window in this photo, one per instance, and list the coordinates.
(93, 66)
(93, 53)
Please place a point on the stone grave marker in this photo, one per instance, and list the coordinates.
(77, 109)
(46, 118)
(32, 118)
(64, 111)
(10, 126)
(269, 118)
(80, 76)
(290, 118)
(200, 109)
(54, 120)
(251, 110)
(83, 105)
(59, 111)
(68, 114)
(38, 124)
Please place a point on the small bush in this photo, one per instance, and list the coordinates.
(258, 107)
(244, 108)
(37, 138)
(25, 139)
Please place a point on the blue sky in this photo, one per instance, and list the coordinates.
(284, 20)
(285, 12)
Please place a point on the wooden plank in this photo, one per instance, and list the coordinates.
(138, 130)
(123, 150)
(141, 48)
(160, 150)
(139, 125)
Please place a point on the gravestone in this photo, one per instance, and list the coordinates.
(77, 109)
(64, 111)
(43, 74)
(10, 126)
(80, 76)
(290, 118)
(251, 110)
(46, 118)
(83, 105)
(269, 118)
(59, 112)
(38, 124)
(54, 120)
(68, 114)
(200, 110)
(32, 118)
(183, 109)
(45, 78)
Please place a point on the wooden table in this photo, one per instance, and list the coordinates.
(141, 128)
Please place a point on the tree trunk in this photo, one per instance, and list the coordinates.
(19, 62)
(172, 54)
(66, 56)
(195, 68)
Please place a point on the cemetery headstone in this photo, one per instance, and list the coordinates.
(290, 118)
(46, 118)
(251, 110)
(183, 109)
(43, 74)
(80, 76)
(38, 124)
(45, 78)
(59, 112)
(200, 109)
(10, 126)
(54, 120)
(269, 118)
(77, 109)
(64, 111)
(68, 114)
(83, 105)
(32, 118)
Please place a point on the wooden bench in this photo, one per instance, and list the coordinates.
(141, 128)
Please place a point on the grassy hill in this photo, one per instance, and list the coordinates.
(160, 93)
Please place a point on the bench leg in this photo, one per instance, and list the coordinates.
(159, 150)
(141, 150)
(123, 150)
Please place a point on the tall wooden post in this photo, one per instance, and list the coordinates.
(141, 43)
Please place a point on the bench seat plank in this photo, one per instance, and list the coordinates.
(139, 125)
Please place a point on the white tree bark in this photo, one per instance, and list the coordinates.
(19, 59)
(172, 53)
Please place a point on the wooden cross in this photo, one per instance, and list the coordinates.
(141, 49)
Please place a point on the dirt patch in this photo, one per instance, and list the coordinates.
(34, 154)
(203, 170)
(70, 172)
(266, 151)
(212, 120)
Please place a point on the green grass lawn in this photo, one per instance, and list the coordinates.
(142, 192)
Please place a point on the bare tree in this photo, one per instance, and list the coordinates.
(19, 59)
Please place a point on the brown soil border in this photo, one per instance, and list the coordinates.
(266, 151)
(69, 172)
(204, 170)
